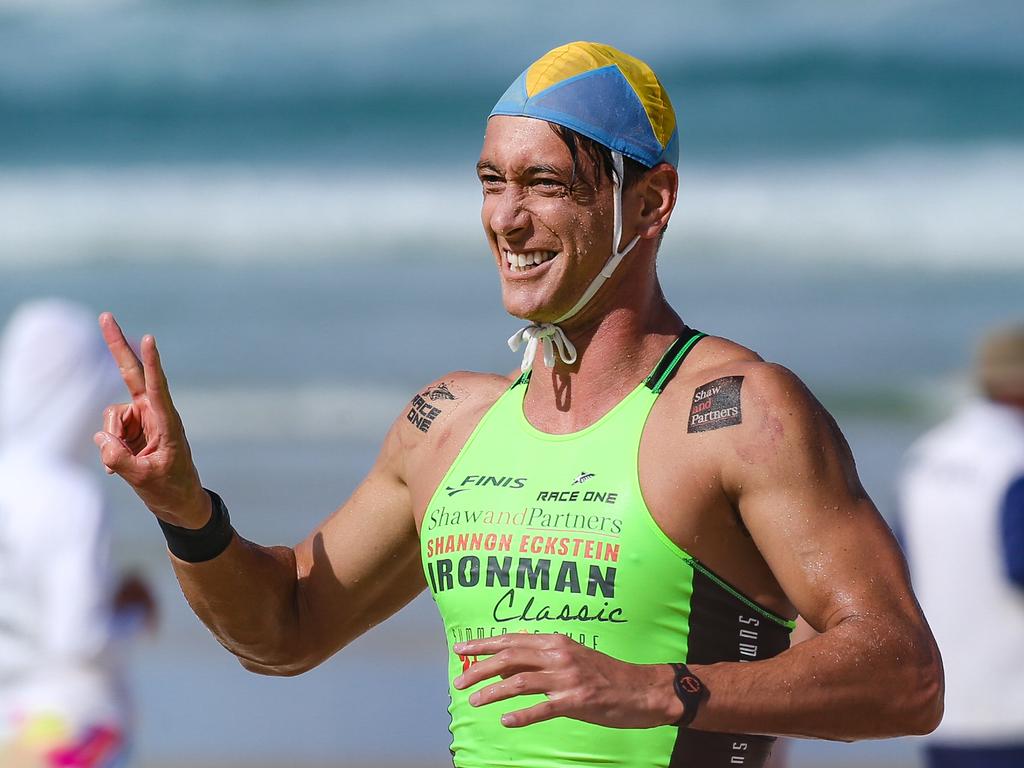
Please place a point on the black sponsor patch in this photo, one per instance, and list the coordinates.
(715, 405)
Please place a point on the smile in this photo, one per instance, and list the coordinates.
(523, 262)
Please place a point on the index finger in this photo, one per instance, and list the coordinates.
(490, 645)
(156, 379)
(127, 363)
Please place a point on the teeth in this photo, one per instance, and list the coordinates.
(520, 262)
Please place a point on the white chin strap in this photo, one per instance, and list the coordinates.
(549, 334)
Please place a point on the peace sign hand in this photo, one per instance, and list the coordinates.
(144, 441)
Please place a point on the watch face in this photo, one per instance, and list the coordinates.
(690, 684)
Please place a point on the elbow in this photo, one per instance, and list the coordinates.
(931, 703)
(277, 669)
(924, 696)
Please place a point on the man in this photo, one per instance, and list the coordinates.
(619, 540)
(962, 512)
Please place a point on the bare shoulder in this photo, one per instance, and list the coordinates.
(724, 384)
(761, 422)
(438, 419)
(448, 402)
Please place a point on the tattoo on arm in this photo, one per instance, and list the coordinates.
(716, 405)
(426, 406)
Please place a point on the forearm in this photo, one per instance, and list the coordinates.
(249, 598)
(860, 679)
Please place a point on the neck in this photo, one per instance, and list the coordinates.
(617, 347)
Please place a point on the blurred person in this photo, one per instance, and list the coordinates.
(619, 539)
(62, 697)
(962, 517)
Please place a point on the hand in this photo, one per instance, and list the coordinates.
(144, 442)
(579, 682)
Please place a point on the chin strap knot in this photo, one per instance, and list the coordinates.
(548, 334)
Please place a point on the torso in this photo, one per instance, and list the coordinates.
(688, 568)
(681, 473)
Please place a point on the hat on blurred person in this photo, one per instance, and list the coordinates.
(1000, 362)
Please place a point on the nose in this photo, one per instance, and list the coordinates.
(505, 213)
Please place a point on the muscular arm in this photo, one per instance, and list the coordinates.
(874, 670)
(282, 611)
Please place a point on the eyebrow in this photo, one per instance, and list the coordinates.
(532, 170)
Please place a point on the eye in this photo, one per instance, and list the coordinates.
(547, 185)
(491, 181)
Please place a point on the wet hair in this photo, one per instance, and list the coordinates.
(600, 160)
(598, 156)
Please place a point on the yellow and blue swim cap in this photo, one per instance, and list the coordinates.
(601, 93)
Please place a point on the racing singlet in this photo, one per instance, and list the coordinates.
(539, 533)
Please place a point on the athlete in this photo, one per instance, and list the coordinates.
(620, 535)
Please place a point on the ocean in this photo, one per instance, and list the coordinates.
(284, 194)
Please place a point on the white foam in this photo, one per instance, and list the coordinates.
(946, 209)
(226, 215)
(955, 209)
(309, 412)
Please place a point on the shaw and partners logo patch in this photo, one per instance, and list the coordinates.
(716, 404)
(469, 482)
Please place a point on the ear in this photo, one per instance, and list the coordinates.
(656, 197)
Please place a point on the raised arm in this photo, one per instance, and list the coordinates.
(279, 610)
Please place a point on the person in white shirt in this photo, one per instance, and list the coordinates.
(62, 700)
(962, 519)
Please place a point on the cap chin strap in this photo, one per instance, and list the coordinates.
(551, 336)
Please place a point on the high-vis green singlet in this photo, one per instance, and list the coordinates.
(533, 532)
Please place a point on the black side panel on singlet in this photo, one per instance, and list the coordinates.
(726, 626)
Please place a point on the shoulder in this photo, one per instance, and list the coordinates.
(749, 413)
(441, 414)
(724, 384)
(452, 399)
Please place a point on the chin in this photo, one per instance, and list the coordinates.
(525, 305)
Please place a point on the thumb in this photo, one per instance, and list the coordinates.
(113, 452)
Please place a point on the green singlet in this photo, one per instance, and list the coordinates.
(534, 532)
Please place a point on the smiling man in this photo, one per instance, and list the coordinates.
(618, 537)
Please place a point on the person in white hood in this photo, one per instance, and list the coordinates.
(61, 697)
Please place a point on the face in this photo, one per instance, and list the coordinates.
(549, 236)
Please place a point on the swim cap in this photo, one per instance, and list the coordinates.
(602, 93)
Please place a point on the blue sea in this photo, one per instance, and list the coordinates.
(283, 192)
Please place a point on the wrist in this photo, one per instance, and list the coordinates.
(664, 700)
(197, 545)
(690, 691)
(191, 510)
(199, 512)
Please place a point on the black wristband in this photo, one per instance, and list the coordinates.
(691, 692)
(197, 545)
